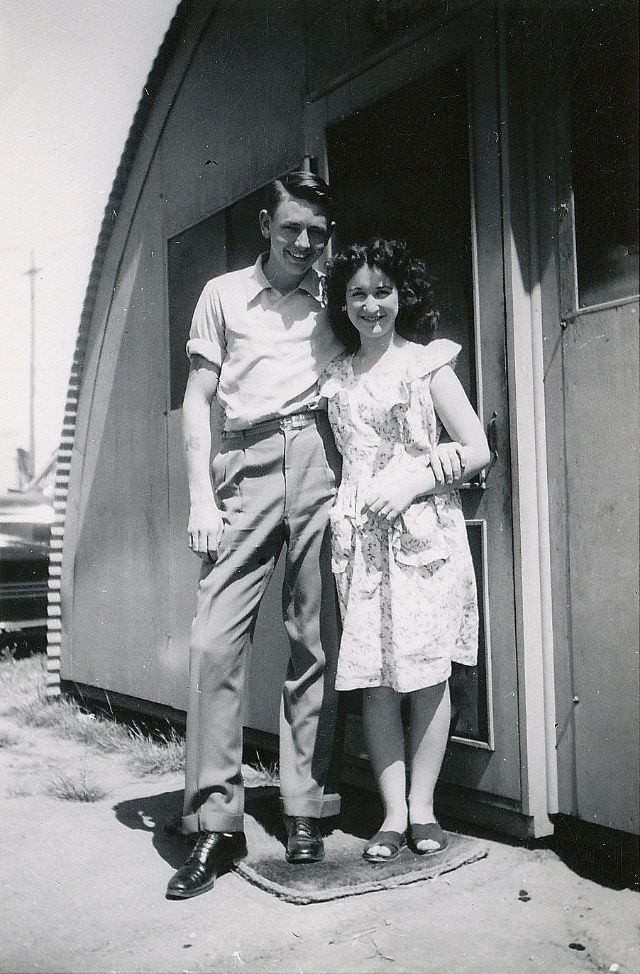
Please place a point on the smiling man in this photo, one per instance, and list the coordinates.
(259, 340)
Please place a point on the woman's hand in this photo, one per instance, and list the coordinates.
(389, 495)
(448, 461)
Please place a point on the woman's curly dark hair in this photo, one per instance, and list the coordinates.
(417, 319)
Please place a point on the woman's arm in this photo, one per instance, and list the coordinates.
(460, 421)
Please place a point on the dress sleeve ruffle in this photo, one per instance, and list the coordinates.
(420, 428)
(423, 361)
(428, 358)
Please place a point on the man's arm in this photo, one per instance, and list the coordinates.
(205, 521)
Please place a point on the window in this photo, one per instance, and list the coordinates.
(603, 109)
(223, 242)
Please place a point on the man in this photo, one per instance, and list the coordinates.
(259, 340)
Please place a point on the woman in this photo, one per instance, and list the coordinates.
(400, 552)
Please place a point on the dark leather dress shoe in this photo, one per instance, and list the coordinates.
(304, 841)
(213, 854)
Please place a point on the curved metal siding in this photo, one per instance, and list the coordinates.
(65, 450)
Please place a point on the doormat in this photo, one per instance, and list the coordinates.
(343, 872)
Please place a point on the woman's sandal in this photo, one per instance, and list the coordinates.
(393, 841)
(428, 833)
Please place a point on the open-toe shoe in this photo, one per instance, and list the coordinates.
(431, 832)
(393, 841)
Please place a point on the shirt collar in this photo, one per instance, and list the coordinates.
(258, 282)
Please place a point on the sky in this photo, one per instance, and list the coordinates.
(71, 75)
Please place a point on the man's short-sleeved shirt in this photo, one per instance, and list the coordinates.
(270, 348)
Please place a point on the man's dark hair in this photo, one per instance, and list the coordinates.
(417, 319)
(302, 185)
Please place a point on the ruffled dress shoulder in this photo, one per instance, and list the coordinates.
(402, 388)
(420, 361)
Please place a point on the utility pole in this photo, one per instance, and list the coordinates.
(31, 273)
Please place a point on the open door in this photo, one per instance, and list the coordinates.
(411, 150)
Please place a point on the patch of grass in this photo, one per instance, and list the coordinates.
(72, 722)
(75, 788)
(58, 713)
(163, 754)
(99, 732)
(22, 688)
(21, 680)
(264, 774)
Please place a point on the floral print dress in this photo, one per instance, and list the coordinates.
(407, 590)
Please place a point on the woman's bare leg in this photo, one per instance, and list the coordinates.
(430, 717)
(384, 737)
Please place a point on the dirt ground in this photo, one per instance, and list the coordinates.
(83, 888)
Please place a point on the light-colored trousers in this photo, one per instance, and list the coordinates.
(274, 485)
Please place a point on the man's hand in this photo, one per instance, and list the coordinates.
(205, 529)
(389, 495)
(448, 462)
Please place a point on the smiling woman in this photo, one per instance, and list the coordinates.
(380, 267)
(371, 304)
(401, 557)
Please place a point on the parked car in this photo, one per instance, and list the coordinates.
(25, 527)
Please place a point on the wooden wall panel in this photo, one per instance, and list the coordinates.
(602, 420)
(591, 393)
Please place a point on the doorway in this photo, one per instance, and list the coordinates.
(407, 165)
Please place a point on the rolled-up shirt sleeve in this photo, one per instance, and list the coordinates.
(206, 336)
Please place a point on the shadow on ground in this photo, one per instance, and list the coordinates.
(343, 872)
(154, 814)
(160, 815)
